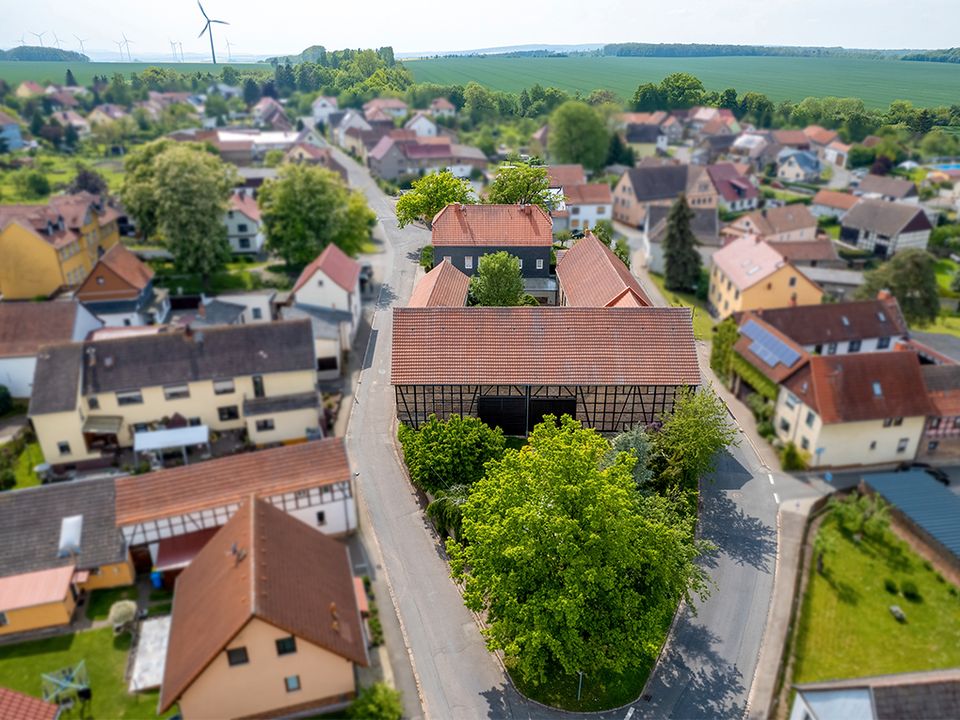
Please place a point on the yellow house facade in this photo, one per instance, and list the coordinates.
(748, 274)
(53, 246)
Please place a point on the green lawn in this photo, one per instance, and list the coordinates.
(60, 170)
(702, 321)
(28, 460)
(946, 269)
(22, 665)
(846, 629)
(100, 601)
(877, 82)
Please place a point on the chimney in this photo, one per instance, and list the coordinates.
(885, 295)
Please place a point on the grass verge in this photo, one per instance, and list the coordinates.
(100, 601)
(702, 321)
(26, 462)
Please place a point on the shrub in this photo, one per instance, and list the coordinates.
(377, 702)
(890, 586)
(792, 459)
(910, 591)
(426, 257)
(761, 407)
(766, 430)
(6, 400)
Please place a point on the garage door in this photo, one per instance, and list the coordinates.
(551, 406)
(507, 413)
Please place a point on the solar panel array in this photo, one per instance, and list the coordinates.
(768, 347)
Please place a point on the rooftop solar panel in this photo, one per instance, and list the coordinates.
(768, 347)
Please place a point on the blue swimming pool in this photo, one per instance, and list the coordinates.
(947, 166)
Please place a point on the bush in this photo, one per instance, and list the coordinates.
(890, 586)
(792, 459)
(377, 702)
(426, 257)
(6, 400)
(761, 407)
(910, 591)
(766, 430)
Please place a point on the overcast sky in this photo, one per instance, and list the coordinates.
(264, 27)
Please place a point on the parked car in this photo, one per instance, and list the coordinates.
(934, 472)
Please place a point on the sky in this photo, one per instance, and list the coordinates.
(263, 28)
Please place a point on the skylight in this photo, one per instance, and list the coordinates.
(877, 390)
(881, 316)
(845, 320)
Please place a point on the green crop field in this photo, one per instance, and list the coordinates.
(16, 72)
(877, 82)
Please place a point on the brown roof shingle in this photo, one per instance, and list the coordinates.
(336, 265)
(492, 225)
(544, 346)
(128, 266)
(17, 706)
(560, 176)
(283, 572)
(591, 275)
(444, 286)
(887, 186)
(837, 322)
(588, 194)
(226, 480)
(886, 218)
(834, 199)
(26, 326)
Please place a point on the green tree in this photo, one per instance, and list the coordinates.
(648, 98)
(431, 194)
(692, 434)
(251, 91)
(636, 442)
(938, 144)
(520, 184)
(578, 135)
(498, 281)
(619, 153)
(215, 106)
(377, 702)
(138, 189)
(31, 184)
(87, 180)
(681, 90)
(911, 277)
(725, 336)
(306, 208)
(69, 79)
(446, 510)
(682, 262)
(273, 158)
(442, 454)
(572, 567)
(191, 191)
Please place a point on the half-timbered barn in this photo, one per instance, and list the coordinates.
(610, 368)
(173, 513)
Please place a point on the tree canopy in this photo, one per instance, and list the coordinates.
(520, 184)
(306, 208)
(498, 281)
(578, 135)
(431, 194)
(682, 262)
(911, 277)
(572, 566)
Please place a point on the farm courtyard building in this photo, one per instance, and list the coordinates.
(610, 368)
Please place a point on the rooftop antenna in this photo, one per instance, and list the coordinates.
(208, 28)
(81, 41)
(56, 40)
(39, 36)
(127, 43)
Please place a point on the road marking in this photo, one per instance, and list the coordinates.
(776, 498)
(770, 475)
(629, 714)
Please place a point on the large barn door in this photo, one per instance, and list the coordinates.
(540, 406)
(507, 413)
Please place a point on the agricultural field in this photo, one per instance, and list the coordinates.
(16, 72)
(877, 82)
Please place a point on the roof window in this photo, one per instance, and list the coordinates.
(877, 390)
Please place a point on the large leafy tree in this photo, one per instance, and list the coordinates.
(520, 184)
(87, 180)
(498, 281)
(306, 208)
(648, 98)
(191, 191)
(578, 135)
(442, 454)
(681, 90)
(138, 189)
(692, 434)
(682, 262)
(572, 566)
(431, 194)
(911, 277)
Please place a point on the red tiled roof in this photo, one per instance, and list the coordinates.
(492, 225)
(383, 103)
(820, 135)
(268, 565)
(17, 706)
(26, 326)
(241, 202)
(560, 176)
(791, 137)
(544, 346)
(731, 185)
(128, 266)
(591, 275)
(867, 386)
(588, 194)
(834, 199)
(336, 265)
(779, 372)
(444, 286)
(231, 479)
(806, 250)
(441, 103)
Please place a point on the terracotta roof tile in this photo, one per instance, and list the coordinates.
(838, 322)
(444, 286)
(492, 225)
(820, 135)
(288, 575)
(868, 386)
(544, 346)
(243, 203)
(591, 275)
(26, 326)
(771, 221)
(17, 706)
(128, 266)
(731, 185)
(336, 265)
(806, 250)
(794, 138)
(834, 199)
(226, 480)
(559, 176)
(588, 194)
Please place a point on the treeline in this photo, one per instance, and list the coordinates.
(41, 54)
(319, 55)
(950, 55)
(703, 50)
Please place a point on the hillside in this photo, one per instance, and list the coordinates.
(951, 55)
(703, 50)
(30, 53)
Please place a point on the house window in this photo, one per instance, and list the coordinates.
(520, 260)
(873, 444)
(897, 422)
(244, 243)
(540, 264)
(292, 683)
(258, 386)
(264, 425)
(883, 343)
(237, 656)
(902, 445)
(321, 517)
(132, 397)
(227, 413)
(194, 422)
(784, 425)
(934, 423)
(575, 211)
(832, 349)
(3, 619)
(327, 363)
(63, 448)
(242, 227)
(140, 427)
(176, 392)
(736, 295)
(793, 281)
(804, 444)
(791, 401)
(809, 419)
(887, 422)
(448, 258)
(933, 445)
(223, 387)
(601, 210)
(287, 645)
(468, 262)
(93, 403)
(956, 423)
(853, 346)
(257, 313)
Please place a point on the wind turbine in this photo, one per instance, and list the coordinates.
(208, 28)
(173, 49)
(229, 50)
(120, 46)
(127, 43)
(56, 40)
(81, 41)
(23, 40)
(39, 36)
(180, 45)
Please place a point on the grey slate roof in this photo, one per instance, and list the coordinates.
(929, 505)
(884, 217)
(705, 224)
(325, 321)
(218, 312)
(281, 403)
(948, 345)
(643, 133)
(30, 526)
(658, 182)
(56, 379)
